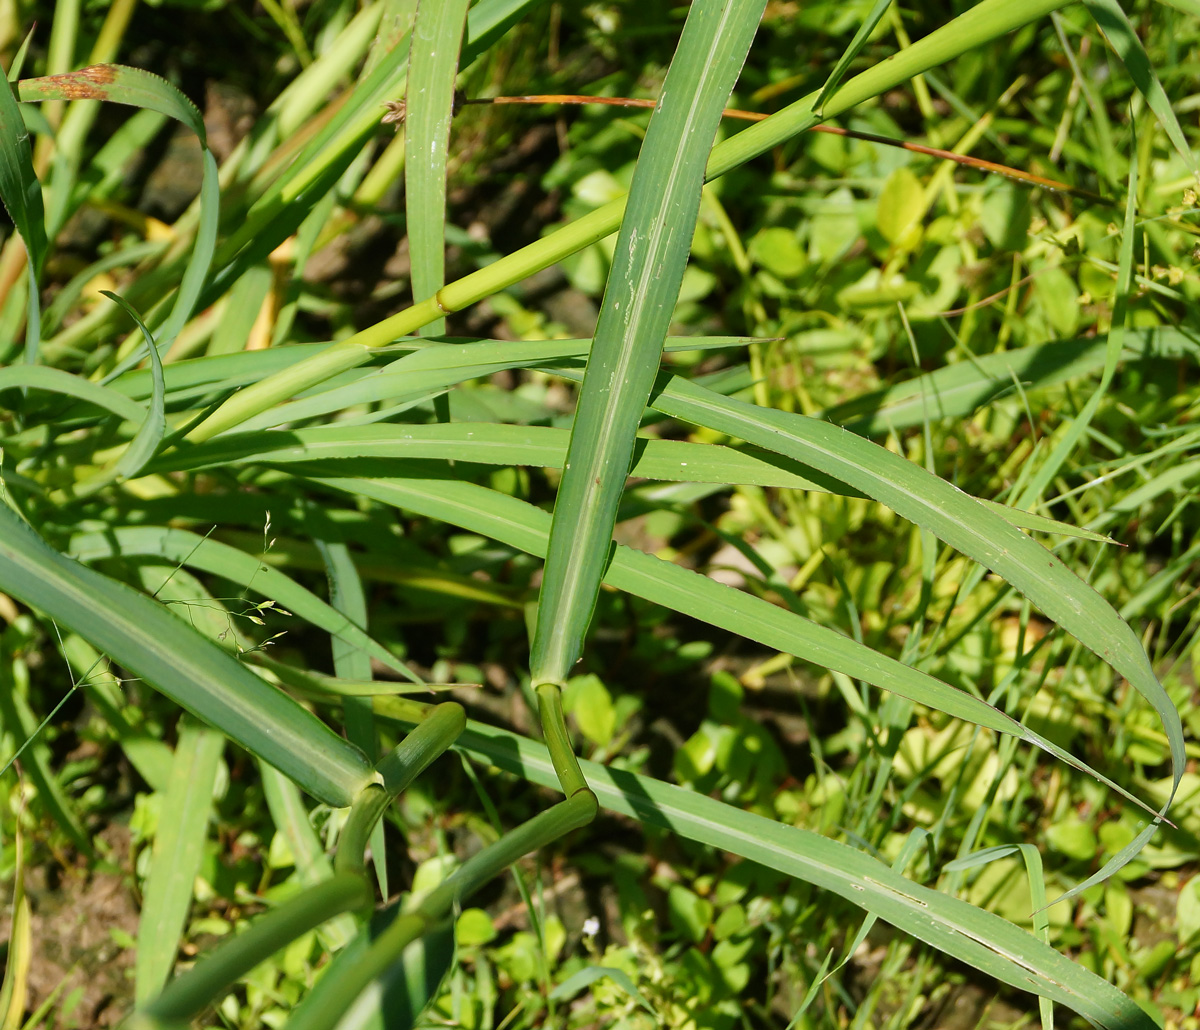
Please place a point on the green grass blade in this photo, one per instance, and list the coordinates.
(963, 388)
(312, 865)
(1041, 922)
(355, 447)
(522, 525)
(877, 11)
(495, 444)
(432, 69)
(351, 662)
(197, 269)
(175, 659)
(23, 726)
(347, 598)
(984, 22)
(350, 451)
(290, 816)
(149, 436)
(1040, 524)
(983, 940)
(643, 286)
(1037, 893)
(55, 380)
(19, 187)
(952, 516)
(207, 982)
(1117, 29)
(191, 549)
(18, 61)
(178, 852)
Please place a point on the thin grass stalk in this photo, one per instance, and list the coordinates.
(429, 739)
(188, 995)
(982, 23)
(325, 1006)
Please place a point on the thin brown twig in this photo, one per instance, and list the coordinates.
(755, 116)
(989, 299)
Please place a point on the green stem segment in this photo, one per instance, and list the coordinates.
(554, 729)
(433, 735)
(190, 994)
(347, 890)
(985, 21)
(323, 1009)
(365, 812)
(404, 763)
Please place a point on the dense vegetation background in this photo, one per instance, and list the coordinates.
(824, 277)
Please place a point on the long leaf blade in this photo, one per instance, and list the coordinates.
(19, 187)
(984, 22)
(175, 659)
(983, 940)
(1114, 23)
(643, 285)
(952, 516)
(150, 433)
(878, 10)
(178, 852)
(522, 525)
(432, 68)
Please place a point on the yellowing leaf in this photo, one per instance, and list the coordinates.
(901, 208)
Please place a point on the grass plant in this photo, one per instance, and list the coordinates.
(862, 441)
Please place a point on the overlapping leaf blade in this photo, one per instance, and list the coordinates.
(977, 937)
(951, 515)
(643, 286)
(522, 525)
(432, 68)
(976, 27)
(178, 852)
(174, 658)
(123, 85)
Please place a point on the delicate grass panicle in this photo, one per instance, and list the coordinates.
(187, 463)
